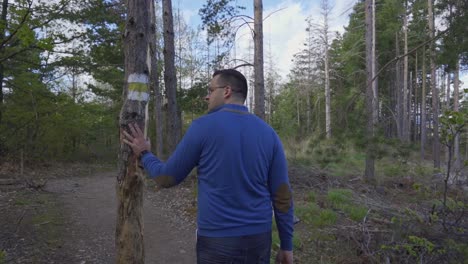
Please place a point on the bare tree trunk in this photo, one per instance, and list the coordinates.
(405, 126)
(325, 11)
(369, 175)
(3, 22)
(435, 92)
(155, 83)
(456, 94)
(410, 113)
(130, 180)
(423, 105)
(258, 60)
(447, 96)
(375, 93)
(174, 123)
(399, 89)
(416, 100)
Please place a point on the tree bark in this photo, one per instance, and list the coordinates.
(369, 174)
(258, 60)
(326, 11)
(423, 106)
(435, 92)
(130, 179)
(416, 100)
(447, 96)
(174, 123)
(410, 96)
(399, 89)
(456, 95)
(2, 70)
(375, 94)
(405, 126)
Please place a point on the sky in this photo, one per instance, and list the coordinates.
(284, 31)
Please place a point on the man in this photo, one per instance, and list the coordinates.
(242, 174)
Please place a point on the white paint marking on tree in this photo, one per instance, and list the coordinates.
(138, 87)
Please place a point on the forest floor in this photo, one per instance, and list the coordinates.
(71, 219)
(67, 214)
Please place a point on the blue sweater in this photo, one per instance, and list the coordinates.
(242, 174)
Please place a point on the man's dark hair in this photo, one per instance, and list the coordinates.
(234, 79)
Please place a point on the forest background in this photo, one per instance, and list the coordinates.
(381, 100)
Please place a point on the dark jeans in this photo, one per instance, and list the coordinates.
(252, 249)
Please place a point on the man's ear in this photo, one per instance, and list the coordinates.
(227, 92)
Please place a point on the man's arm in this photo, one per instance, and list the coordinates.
(181, 162)
(281, 196)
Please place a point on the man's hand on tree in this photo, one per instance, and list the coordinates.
(136, 139)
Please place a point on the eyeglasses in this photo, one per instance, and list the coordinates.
(211, 89)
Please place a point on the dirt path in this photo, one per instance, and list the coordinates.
(90, 213)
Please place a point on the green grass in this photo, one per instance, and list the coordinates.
(312, 215)
(357, 213)
(311, 197)
(308, 213)
(327, 217)
(339, 197)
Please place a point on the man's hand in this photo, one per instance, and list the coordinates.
(136, 140)
(284, 257)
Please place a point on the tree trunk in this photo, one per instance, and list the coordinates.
(435, 93)
(155, 83)
(456, 94)
(258, 60)
(410, 96)
(447, 96)
(423, 105)
(130, 179)
(416, 100)
(369, 171)
(399, 89)
(375, 94)
(174, 123)
(325, 10)
(405, 126)
(3, 22)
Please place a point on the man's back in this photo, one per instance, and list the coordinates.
(233, 173)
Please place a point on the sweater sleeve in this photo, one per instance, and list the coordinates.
(182, 161)
(281, 196)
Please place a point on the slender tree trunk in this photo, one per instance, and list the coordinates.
(447, 96)
(416, 100)
(155, 83)
(325, 12)
(435, 92)
(170, 81)
(369, 175)
(375, 90)
(130, 179)
(405, 127)
(423, 106)
(456, 94)
(409, 115)
(399, 88)
(258, 60)
(3, 21)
